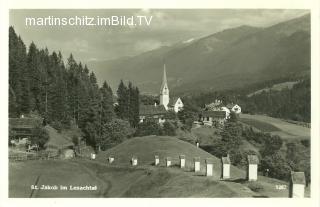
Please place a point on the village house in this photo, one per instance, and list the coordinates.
(215, 114)
(157, 112)
(175, 104)
(23, 129)
(234, 107)
(213, 118)
(152, 113)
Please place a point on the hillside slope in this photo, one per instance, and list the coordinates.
(276, 126)
(119, 179)
(145, 148)
(224, 60)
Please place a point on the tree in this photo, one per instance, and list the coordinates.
(148, 128)
(115, 132)
(122, 108)
(169, 128)
(128, 103)
(277, 165)
(271, 145)
(40, 137)
(231, 135)
(106, 110)
(188, 114)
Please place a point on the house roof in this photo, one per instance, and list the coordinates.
(214, 114)
(230, 106)
(152, 110)
(253, 159)
(26, 123)
(298, 178)
(225, 160)
(173, 101)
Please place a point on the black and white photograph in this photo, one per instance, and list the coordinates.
(160, 103)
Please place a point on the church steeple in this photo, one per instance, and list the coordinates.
(164, 90)
(164, 80)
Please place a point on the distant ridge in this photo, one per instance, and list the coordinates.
(228, 59)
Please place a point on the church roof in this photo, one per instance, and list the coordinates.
(152, 110)
(164, 79)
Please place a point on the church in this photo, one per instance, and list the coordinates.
(157, 112)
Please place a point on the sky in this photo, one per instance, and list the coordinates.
(169, 26)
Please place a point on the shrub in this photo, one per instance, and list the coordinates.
(148, 128)
(255, 186)
(169, 128)
(115, 132)
(40, 137)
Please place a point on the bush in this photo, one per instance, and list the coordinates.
(277, 165)
(169, 128)
(255, 186)
(115, 132)
(40, 137)
(148, 128)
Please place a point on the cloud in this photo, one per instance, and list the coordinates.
(169, 26)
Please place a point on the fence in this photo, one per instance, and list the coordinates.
(36, 156)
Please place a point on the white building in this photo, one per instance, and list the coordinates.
(176, 104)
(223, 108)
(235, 108)
(225, 167)
(297, 185)
(252, 171)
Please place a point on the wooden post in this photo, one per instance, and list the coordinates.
(196, 164)
(182, 161)
(252, 171)
(156, 160)
(168, 161)
(297, 185)
(134, 161)
(111, 159)
(209, 167)
(225, 168)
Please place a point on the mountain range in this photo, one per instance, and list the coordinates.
(229, 59)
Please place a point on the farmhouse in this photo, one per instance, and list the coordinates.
(234, 107)
(157, 112)
(23, 128)
(213, 118)
(152, 113)
(215, 113)
(214, 106)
